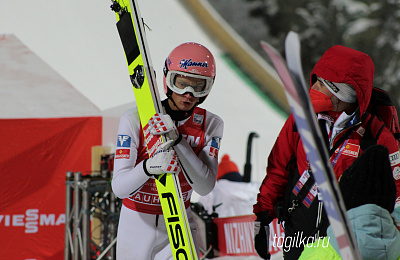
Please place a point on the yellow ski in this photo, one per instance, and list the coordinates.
(131, 31)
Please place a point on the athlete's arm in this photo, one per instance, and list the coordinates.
(127, 177)
(201, 170)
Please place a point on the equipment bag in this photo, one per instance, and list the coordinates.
(382, 106)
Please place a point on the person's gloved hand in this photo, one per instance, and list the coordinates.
(162, 124)
(261, 234)
(162, 161)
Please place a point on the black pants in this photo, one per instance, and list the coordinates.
(300, 230)
(293, 253)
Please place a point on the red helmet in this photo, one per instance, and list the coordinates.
(191, 60)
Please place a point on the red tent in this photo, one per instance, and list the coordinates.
(46, 129)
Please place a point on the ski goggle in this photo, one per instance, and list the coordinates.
(182, 82)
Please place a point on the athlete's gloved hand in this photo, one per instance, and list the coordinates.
(162, 161)
(261, 234)
(162, 124)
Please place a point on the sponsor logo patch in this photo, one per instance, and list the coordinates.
(152, 199)
(394, 158)
(122, 154)
(193, 141)
(361, 131)
(351, 150)
(396, 173)
(331, 85)
(185, 63)
(215, 144)
(124, 141)
(198, 119)
(213, 152)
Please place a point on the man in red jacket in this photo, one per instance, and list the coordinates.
(340, 91)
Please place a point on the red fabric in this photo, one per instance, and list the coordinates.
(320, 101)
(344, 65)
(34, 157)
(226, 166)
(274, 184)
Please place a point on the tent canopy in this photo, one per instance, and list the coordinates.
(32, 89)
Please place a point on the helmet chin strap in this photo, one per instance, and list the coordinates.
(176, 115)
(173, 101)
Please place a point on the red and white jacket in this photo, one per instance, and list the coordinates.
(197, 152)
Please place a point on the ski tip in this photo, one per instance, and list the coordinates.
(264, 44)
(267, 47)
(292, 36)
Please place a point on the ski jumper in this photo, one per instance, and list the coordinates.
(343, 137)
(142, 232)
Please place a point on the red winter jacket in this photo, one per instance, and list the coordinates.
(338, 64)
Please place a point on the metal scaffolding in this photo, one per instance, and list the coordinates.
(91, 208)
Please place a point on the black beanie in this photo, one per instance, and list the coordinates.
(369, 180)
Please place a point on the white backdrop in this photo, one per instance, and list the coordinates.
(80, 41)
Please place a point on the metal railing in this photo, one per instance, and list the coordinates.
(91, 218)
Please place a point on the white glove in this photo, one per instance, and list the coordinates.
(161, 162)
(162, 124)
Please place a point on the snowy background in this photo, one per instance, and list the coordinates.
(369, 26)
